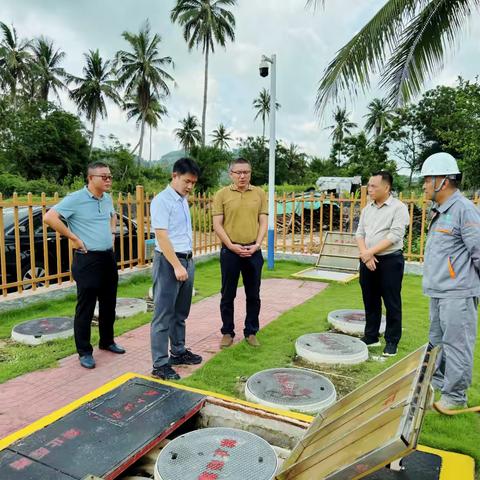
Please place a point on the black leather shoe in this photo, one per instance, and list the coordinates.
(87, 361)
(114, 348)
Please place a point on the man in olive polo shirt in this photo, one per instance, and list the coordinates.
(240, 221)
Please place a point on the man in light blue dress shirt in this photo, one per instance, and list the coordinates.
(173, 271)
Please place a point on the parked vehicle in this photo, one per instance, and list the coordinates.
(26, 271)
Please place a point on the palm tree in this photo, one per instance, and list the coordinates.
(205, 22)
(153, 115)
(48, 73)
(406, 41)
(93, 88)
(14, 60)
(142, 73)
(221, 137)
(189, 135)
(262, 104)
(342, 126)
(379, 116)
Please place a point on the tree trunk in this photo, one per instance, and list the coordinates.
(263, 130)
(150, 156)
(94, 122)
(205, 88)
(142, 131)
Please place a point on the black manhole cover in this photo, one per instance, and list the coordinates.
(127, 307)
(217, 453)
(331, 348)
(351, 321)
(291, 388)
(41, 330)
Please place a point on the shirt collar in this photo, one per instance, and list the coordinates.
(448, 203)
(387, 202)
(235, 189)
(174, 194)
(91, 195)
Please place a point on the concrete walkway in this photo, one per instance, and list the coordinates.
(32, 396)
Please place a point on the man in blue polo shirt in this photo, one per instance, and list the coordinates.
(91, 222)
(173, 271)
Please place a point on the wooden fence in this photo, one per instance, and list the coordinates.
(32, 255)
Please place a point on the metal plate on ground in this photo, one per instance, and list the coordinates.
(417, 466)
(19, 467)
(104, 436)
(41, 330)
(351, 321)
(329, 275)
(127, 307)
(292, 389)
(216, 454)
(333, 348)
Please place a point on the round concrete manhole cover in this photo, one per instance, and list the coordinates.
(216, 454)
(331, 348)
(351, 321)
(41, 330)
(127, 307)
(291, 388)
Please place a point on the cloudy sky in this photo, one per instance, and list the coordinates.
(304, 41)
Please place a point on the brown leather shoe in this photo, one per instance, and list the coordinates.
(226, 341)
(252, 341)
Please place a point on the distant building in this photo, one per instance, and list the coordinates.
(338, 185)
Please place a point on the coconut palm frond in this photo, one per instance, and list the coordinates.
(366, 52)
(422, 48)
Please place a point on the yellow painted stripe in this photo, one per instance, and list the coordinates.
(52, 417)
(455, 466)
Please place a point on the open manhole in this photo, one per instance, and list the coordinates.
(150, 293)
(332, 348)
(41, 330)
(127, 307)
(351, 321)
(292, 389)
(216, 454)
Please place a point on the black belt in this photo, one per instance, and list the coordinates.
(186, 256)
(397, 253)
(81, 252)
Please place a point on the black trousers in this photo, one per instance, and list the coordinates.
(251, 269)
(383, 283)
(96, 275)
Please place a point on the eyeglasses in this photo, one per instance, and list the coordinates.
(103, 177)
(242, 172)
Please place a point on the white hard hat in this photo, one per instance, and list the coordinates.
(439, 164)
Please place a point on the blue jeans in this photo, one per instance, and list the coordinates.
(172, 305)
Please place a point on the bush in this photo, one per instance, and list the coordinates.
(10, 183)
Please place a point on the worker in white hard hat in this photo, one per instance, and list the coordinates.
(451, 278)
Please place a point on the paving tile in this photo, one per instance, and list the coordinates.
(29, 397)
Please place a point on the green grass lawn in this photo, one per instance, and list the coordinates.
(17, 359)
(228, 370)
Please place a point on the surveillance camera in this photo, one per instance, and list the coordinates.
(263, 68)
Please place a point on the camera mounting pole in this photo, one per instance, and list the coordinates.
(271, 158)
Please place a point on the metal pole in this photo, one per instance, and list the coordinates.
(271, 168)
